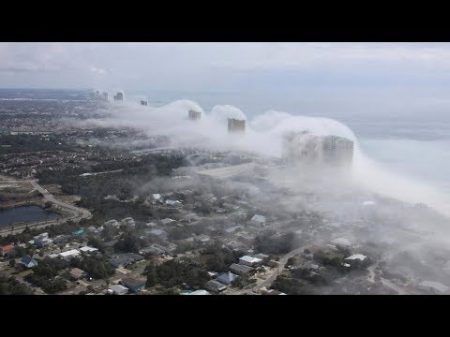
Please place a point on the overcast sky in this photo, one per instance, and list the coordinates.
(328, 79)
(224, 66)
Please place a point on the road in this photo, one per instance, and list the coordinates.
(228, 171)
(273, 275)
(74, 213)
(389, 284)
(78, 213)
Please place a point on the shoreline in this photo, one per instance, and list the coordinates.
(66, 212)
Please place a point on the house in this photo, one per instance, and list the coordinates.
(202, 238)
(215, 286)
(167, 221)
(112, 223)
(87, 249)
(258, 219)
(173, 203)
(249, 260)
(129, 222)
(6, 249)
(157, 198)
(28, 262)
(157, 232)
(241, 269)
(357, 260)
(212, 274)
(155, 250)
(170, 246)
(42, 242)
(76, 273)
(61, 239)
(199, 292)
(41, 236)
(118, 289)
(123, 260)
(233, 229)
(67, 255)
(134, 285)
(227, 278)
(274, 292)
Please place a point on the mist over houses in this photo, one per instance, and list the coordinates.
(173, 219)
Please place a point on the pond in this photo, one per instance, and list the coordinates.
(25, 214)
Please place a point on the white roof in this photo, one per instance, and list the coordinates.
(88, 249)
(259, 218)
(250, 259)
(199, 292)
(119, 289)
(356, 257)
(72, 252)
(341, 242)
(173, 202)
(167, 221)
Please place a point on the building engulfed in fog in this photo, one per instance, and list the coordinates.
(236, 125)
(337, 150)
(118, 96)
(194, 115)
(105, 96)
(303, 147)
(144, 102)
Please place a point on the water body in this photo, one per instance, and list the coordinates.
(25, 214)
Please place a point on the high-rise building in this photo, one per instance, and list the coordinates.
(236, 125)
(337, 150)
(194, 115)
(303, 147)
(118, 96)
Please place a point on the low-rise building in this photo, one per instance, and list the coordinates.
(258, 219)
(28, 261)
(134, 285)
(215, 286)
(249, 261)
(87, 249)
(123, 260)
(167, 221)
(118, 289)
(6, 249)
(154, 250)
(112, 223)
(128, 222)
(227, 278)
(241, 269)
(199, 292)
(173, 203)
(67, 255)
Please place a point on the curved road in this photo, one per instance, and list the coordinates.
(78, 213)
(74, 213)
